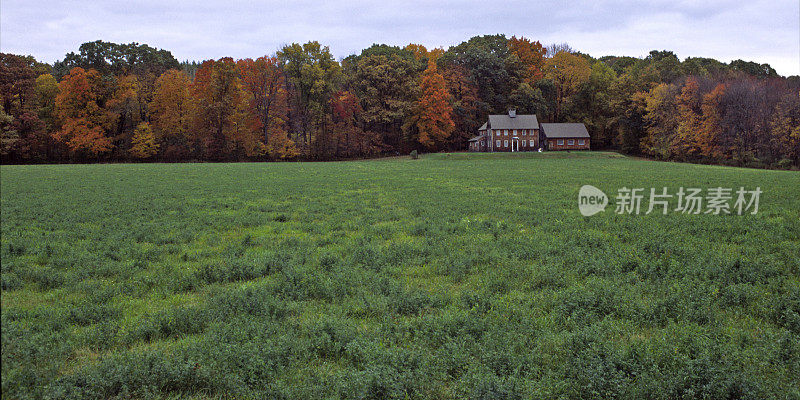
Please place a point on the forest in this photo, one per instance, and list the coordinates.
(131, 102)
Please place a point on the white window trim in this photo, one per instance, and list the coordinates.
(498, 143)
(505, 143)
(560, 142)
(581, 142)
(532, 143)
(571, 142)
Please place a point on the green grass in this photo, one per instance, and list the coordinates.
(452, 276)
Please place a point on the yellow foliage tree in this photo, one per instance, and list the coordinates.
(785, 127)
(144, 143)
(567, 71)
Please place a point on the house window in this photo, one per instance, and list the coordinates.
(532, 143)
(505, 143)
(560, 142)
(571, 142)
(498, 143)
(505, 132)
(581, 142)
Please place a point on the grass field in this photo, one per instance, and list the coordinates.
(452, 276)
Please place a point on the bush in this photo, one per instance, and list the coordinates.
(785, 163)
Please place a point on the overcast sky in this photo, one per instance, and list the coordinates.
(765, 31)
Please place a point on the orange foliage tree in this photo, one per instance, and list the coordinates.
(222, 118)
(434, 112)
(81, 117)
(531, 56)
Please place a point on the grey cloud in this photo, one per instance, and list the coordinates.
(759, 30)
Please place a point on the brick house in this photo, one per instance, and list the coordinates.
(512, 133)
(509, 132)
(569, 136)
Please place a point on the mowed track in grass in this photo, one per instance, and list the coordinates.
(452, 276)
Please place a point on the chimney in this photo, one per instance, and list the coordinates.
(512, 112)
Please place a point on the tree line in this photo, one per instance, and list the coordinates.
(122, 102)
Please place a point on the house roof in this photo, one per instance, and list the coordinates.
(483, 127)
(519, 122)
(568, 130)
(476, 138)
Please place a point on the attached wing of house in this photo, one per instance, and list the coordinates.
(565, 136)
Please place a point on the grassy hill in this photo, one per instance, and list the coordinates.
(452, 276)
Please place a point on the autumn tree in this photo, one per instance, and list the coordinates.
(689, 105)
(568, 72)
(784, 127)
(17, 83)
(171, 112)
(81, 117)
(708, 138)
(422, 54)
(222, 119)
(531, 56)
(419, 51)
(592, 105)
(20, 102)
(144, 143)
(434, 113)
(124, 111)
(263, 80)
(350, 138)
(9, 137)
(662, 121)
